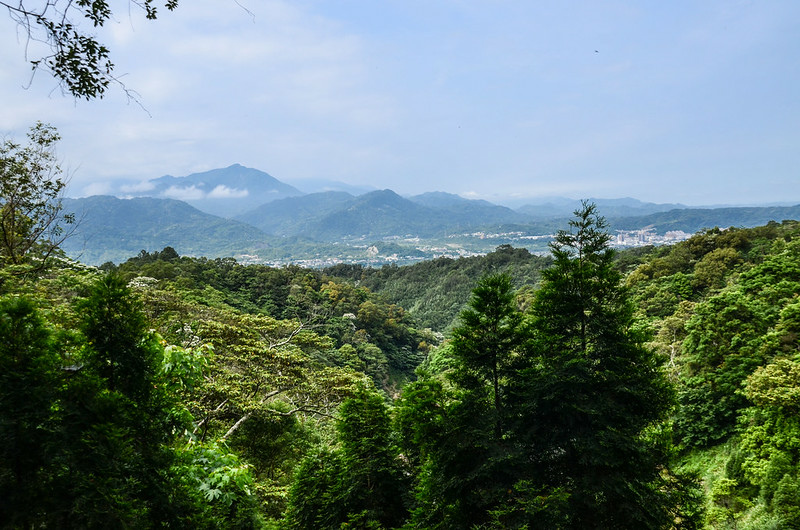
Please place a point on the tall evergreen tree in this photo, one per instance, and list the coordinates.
(553, 422)
(374, 483)
(358, 485)
(29, 369)
(116, 456)
(470, 468)
(594, 391)
(485, 344)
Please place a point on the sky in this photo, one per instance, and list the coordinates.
(686, 101)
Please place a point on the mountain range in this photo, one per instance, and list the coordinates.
(382, 213)
(235, 190)
(238, 211)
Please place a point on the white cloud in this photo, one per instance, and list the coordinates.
(224, 192)
(96, 188)
(192, 193)
(139, 187)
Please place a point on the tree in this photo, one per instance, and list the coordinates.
(466, 440)
(771, 438)
(595, 394)
(485, 343)
(374, 483)
(32, 225)
(29, 369)
(81, 65)
(724, 345)
(117, 422)
(357, 485)
(314, 497)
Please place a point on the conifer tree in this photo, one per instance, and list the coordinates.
(485, 342)
(374, 485)
(28, 382)
(469, 468)
(357, 485)
(594, 391)
(115, 430)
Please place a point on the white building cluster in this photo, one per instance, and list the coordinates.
(647, 236)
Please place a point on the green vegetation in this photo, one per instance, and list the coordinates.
(321, 229)
(547, 418)
(723, 306)
(654, 388)
(436, 291)
(32, 225)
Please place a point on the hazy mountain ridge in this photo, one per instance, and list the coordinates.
(295, 215)
(694, 219)
(624, 207)
(338, 225)
(336, 215)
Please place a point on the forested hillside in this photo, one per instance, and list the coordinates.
(111, 229)
(655, 388)
(724, 307)
(435, 291)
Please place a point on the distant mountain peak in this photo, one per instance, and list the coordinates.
(225, 191)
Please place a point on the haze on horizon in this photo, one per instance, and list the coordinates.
(688, 102)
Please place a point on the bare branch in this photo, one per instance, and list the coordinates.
(235, 426)
(208, 416)
(292, 335)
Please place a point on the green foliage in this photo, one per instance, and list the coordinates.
(221, 484)
(771, 438)
(485, 345)
(78, 61)
(385, 342)
(31, 223)
(553, 424)
(314, 500)
(90, 431)
(360, 483)
(730, 343)
(120, 349)
(461, 444)
(434, 292)
(546, 409)
(28, 384)
(594, 391)
(375, 485)
(722, 348)
(118, 415)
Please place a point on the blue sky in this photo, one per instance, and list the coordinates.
(682, 101)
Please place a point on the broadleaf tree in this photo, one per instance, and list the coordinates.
(32, 223)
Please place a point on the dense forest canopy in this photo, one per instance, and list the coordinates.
(651, 388)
